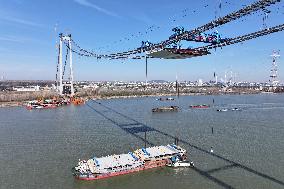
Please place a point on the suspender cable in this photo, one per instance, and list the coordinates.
(66, 58)
(57, 68)
(146, 58)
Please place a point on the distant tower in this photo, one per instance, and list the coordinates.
(273, 72)
(216, 78)
(65, 85)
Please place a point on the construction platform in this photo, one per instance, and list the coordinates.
(173, 53)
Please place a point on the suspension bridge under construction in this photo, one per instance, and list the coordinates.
(169, 48)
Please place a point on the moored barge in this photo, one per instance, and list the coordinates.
(200, 106)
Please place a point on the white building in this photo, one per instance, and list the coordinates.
(26, 89)
(199, 82)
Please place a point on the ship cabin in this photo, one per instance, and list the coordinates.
(157, 153)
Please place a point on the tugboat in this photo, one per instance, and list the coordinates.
(139, 160)
(222, 110)
(226, 109)
(170, 98)
(166, 109)
(181, 164)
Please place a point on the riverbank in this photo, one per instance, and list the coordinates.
(10, 104)
(162, 95)
(12, 99)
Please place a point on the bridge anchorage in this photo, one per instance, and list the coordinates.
(64, 83)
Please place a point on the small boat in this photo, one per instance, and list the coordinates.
(38, 107)
(235, 109)
(170, 98)
(222, 110)
(181, 164)
(200, 106)
(34, 106)
(160, 99)
(166, 109)
(165, 99)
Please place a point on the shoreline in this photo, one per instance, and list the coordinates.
(21, 103)
(10, 104)
(174, 95)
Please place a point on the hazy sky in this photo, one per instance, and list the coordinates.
(29, 31)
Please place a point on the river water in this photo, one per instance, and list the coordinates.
(39, 147)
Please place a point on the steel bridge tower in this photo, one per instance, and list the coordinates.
(273, 72)
(65, 85)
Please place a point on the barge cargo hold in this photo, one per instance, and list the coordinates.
(139, 160)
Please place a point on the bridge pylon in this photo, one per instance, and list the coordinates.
(65, 82)
(273, 72)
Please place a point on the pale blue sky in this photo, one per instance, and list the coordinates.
(28, 38)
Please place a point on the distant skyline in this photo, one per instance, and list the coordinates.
(29, 31)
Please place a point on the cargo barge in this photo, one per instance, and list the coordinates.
(200, 106)
(166, 109)
(139, 160)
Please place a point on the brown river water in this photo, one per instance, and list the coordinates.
(38, 148)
